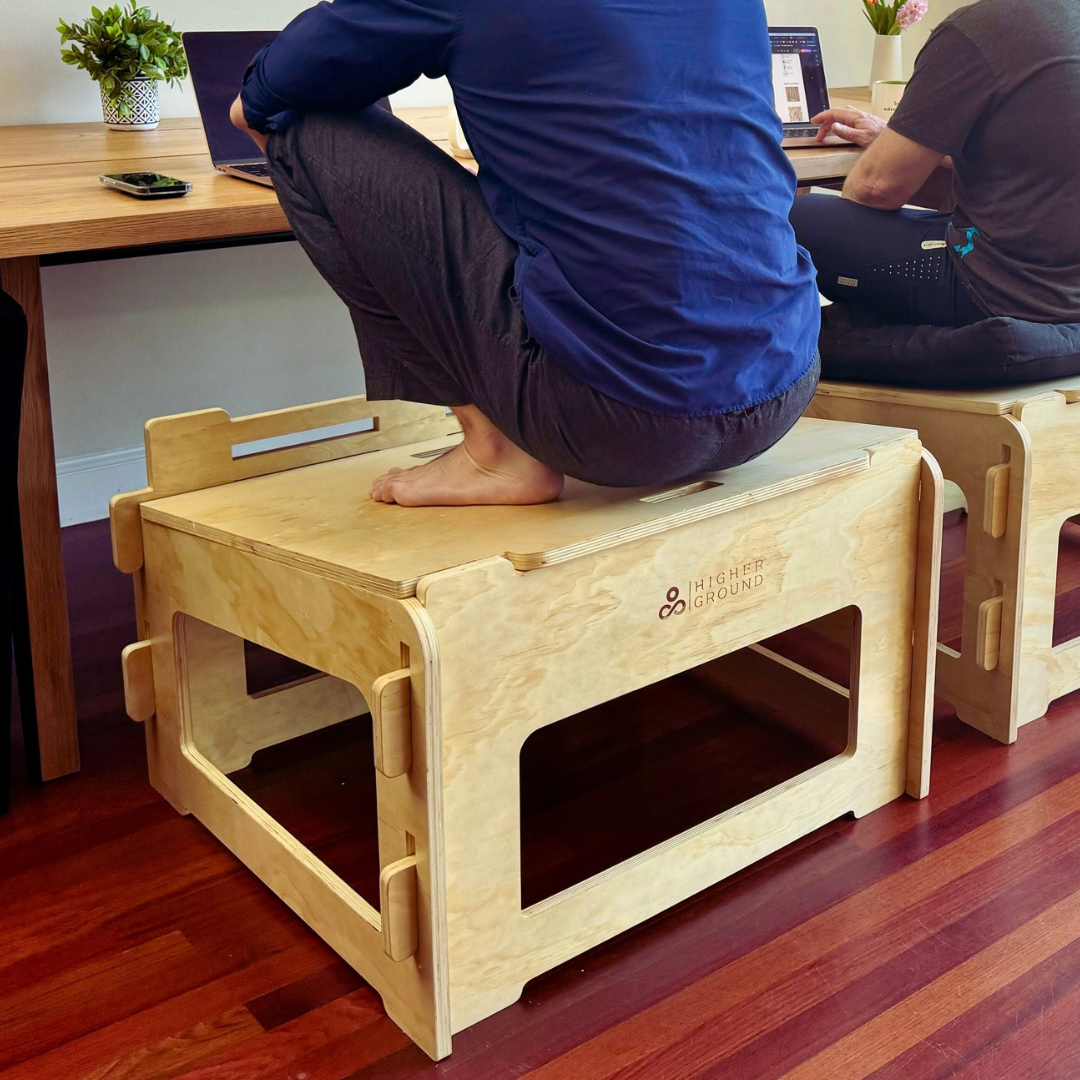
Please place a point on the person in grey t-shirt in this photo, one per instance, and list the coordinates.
(995, 97)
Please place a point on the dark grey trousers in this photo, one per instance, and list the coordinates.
(402, 234)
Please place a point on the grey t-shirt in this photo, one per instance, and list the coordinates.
(997, 87)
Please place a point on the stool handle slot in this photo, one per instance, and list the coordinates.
(301, 440)
(400, 910)
(138, 681)
(391, 714)
(681, 492)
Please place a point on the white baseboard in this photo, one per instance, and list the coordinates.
(86, 484)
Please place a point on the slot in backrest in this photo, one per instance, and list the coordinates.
(196, 450)
(326, 434)
(682, 492)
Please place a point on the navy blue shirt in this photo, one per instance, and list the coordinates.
(631, 149)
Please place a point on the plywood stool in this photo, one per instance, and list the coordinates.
(1013, 453)
(468, 629)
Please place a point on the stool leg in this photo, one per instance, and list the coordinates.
(1036, 626)
(1044, 672)
(982, 682)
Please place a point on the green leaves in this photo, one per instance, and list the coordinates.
(120, 44)
(881, 14)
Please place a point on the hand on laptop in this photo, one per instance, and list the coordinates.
(236, 115)
(854, 125)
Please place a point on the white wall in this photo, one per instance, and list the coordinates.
(847, 39)
(37, 88)
(248, 328)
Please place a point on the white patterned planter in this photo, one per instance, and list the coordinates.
(142, 96)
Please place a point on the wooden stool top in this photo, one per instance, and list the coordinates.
(321, 518)
(995, 401)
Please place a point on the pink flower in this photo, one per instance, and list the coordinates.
(911, 13)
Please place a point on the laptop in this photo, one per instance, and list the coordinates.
(217, 63)
(799, 87)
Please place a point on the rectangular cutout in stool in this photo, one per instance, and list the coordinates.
(603, 786)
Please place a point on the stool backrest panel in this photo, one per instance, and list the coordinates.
(197, 450)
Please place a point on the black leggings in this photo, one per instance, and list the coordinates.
(893, 265)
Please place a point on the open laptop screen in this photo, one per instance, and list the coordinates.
(798, 73)
(217, 62)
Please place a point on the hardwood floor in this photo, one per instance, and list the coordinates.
(930, 940)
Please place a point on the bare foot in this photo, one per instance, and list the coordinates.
(485, 471)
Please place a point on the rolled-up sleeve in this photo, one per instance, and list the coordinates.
(347, 55)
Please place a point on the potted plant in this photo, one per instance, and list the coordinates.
(890, 18)
(128, 51)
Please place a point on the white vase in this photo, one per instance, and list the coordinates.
(888, 62)
(144, 113)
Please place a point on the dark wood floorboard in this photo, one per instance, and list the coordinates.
(937, 940)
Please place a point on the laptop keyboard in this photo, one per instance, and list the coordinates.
(259, 168)
(809, 132)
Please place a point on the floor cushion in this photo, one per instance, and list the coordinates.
(994, 352)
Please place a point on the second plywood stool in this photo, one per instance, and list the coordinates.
(1013, 453)
(469, 629)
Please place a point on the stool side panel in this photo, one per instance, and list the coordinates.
(1046, 672)
(967, 445)
(194, 585)
(925, 627)
(519, 651)
(539, 615)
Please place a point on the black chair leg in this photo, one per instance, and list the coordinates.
(24, 665)
(12, 573)
(5, 735)
(17, 633)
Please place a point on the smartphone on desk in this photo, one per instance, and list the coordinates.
(146, 185)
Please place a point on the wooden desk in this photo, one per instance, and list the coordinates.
(52, 205)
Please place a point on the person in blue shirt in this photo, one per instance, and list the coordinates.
(618, 295)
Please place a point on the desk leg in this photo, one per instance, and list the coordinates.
(50, 635)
